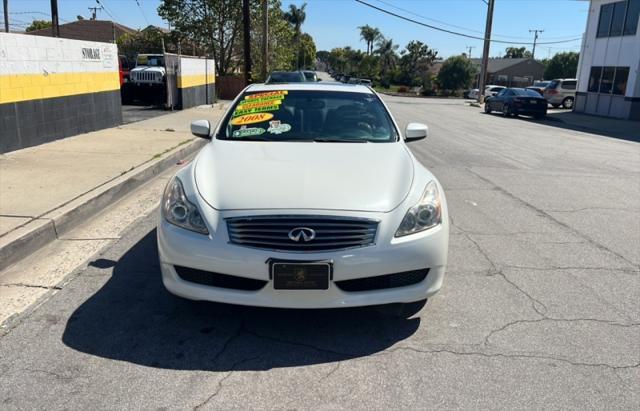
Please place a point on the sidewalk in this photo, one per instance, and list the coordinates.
(43, 189)
(606, 126)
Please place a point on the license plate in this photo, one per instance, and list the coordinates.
(533, 101)
(301, 276)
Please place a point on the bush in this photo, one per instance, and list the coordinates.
(403, 89)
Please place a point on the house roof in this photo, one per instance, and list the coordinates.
(91, 30)
(499, 64)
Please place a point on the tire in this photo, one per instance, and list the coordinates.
(487, 108)
(506, 110)
(567, 103)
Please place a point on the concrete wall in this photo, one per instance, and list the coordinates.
(196, 81)
(620, 51)
(52, 88)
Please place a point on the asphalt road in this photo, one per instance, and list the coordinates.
(540, 307)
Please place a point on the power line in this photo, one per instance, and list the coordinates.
(142, 12)
(465, 28)
(455, 32)
(106, 9)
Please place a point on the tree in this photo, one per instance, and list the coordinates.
(149, 40)
(370, 35)
(388, 59)
(456, 73)
(416, 59)
(38, 25)
(214, 25)
(516, 52)
(307, 54)
(282, 55)
(562, 65)
(296, 17)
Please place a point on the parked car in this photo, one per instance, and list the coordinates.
(492, 90)
(310, 75)
(473, 93)
(539, 86)
(365, 82)
(561, 92)
(303, 226)
(286, 77)
(124, 67)
(148, 79)
(515, 101)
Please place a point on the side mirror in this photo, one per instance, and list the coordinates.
(201, 128)
(415, 131)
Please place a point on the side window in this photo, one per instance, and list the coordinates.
(617, 19)
(606, 11)
(633, 14)
(502, 92)
(594, 79)
(569, 85)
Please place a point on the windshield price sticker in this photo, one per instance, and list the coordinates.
(257, 104)
(276, 127)
(251, 118)
(248, 132)
(273, 95)
(255, 110)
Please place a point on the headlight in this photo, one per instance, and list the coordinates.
(177, 210)
(424, 215)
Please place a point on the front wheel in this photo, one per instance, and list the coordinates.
(506, 110)
(487, 108)
(567, 103)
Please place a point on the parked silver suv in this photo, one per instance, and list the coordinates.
(561, 92)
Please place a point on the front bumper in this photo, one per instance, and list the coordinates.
(425, 250)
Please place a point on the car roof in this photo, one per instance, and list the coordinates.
(347, 88)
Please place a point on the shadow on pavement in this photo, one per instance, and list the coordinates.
(133, 318)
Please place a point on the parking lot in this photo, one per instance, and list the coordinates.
(540, 306)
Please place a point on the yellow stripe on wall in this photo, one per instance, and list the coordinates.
(24, 87)
(193, 80)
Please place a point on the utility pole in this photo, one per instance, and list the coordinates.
(54, 18)
(94, 12)
(265, 38)
(470, 48)
(535, 40)
(6, 15)
(485, 52)
(246, 21)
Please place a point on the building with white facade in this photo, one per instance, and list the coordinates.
(609, 67)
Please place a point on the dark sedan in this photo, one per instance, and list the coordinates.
(514, 101)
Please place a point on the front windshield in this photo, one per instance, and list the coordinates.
(153, 61)
(308, 115)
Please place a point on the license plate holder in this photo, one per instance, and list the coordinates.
(301, 275)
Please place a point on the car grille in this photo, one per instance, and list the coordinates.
(145, 76)
(331, 233)
(219, 280)
(382, 282)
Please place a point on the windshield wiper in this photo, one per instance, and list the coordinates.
(339, 140)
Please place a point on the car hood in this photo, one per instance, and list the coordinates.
(148, 68)
(374, 177)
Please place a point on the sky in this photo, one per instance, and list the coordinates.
(334, 23)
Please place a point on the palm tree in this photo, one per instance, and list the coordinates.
(370, 35)
(296, 17)
(388, 57)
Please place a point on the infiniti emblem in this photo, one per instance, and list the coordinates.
(302, 233)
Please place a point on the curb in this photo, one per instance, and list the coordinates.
(37, 233)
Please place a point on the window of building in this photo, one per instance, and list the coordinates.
(618, 19)
(633, 14)
(620, 80)
(594, 79)
(606, 11)
(606, 82)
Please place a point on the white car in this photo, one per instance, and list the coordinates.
(307, 196)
